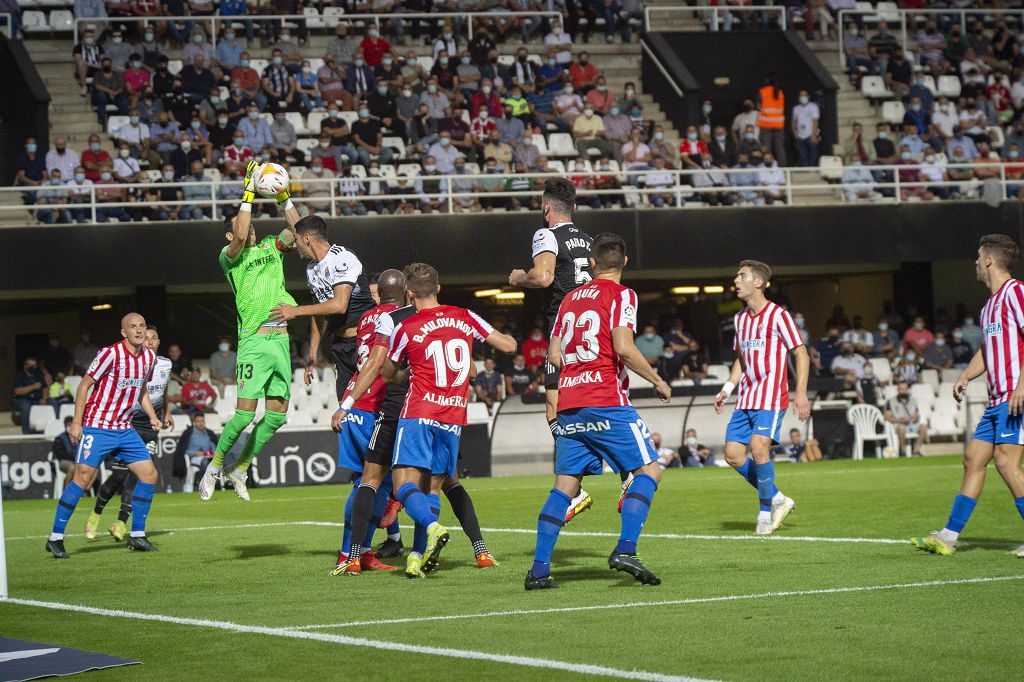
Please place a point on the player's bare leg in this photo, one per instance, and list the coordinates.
(465, 512)
(976, 458)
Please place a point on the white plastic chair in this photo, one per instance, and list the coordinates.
(476, 413)
(560, 144)
(830, 168)
(34, 21)
(54, 427)
(873, 87)
(66, 410)
(893, 112)
(38, 416)
(542, 145)
(866, 419)
(718, 372)
(894, 440)
(62, 21)
(949, 86)
(923, 393)
(883, 370)
(300, 418)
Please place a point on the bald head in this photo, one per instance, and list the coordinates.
(391, 286)
(133, 329)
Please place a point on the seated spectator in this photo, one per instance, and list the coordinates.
(222, 365)
(198, 194)
(31, 169)
(848, 361)
(198, 46)
(946, 118)
(668, 365)
(373, 46)
(519, 107)
(331, 79)
(962, 351)
(285, 141)
(526, 152)
(635, 153)
(826, 349)
(108, 191)
(29, 389)
(899, 74)
(79, 190)
(307, 87)
(489, 385)
(229, 51)
(255, 130)
(316, 194)
(246, 87)
(918, 115)
(211, 106)
(94, 157)
(198, 444)
(917, 337)
(59, 393)
(567, 105)
(359, 79)
(933, 170)
(136, 135)
(938, 355)
(859, 183)
(910, 177)
(197, 395)
(278, 84)
(721, 147)
(350, 187)
(861, 338)
(463, 188)
(974, 122)
(461, 135)
(589, 133)
(50, 201)
(64, 452)
(197, 81)
(388, 72)
(855, 49)
(522, 378)
(87, 55)
(902, 411)
(705, 180)
(660, 178)
(561, 42)
(108, 88)
(136, 79)
(600, 97)
(650, 344)
(695, 368)
(583, 76)
(906, 366)
(772, 178)
(541, 106)
(126, 168)
(868, 385)
(691, 148)
(968, 149)
(435, 99)
(796, 449)
(468, 75)
(520, 182)
(693, 454)
(184, 157)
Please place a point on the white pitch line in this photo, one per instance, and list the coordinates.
(672, 602)
(525, 661)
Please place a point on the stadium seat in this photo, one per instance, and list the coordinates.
(585, 167)
(314, 121)
(542, 145)
(949, 86)
(62, 21)
(929, 82)
(949, 376)
(301, 418)
(66, 410)
(866, 420)
(831, 168)
(324, 416)
(561, 145)
(74, 380)
(332, 15)
(34, 21)
(924, 394)
(349, 117)
(153, 175)
(174, 66)
(476, 413)
(893, 111)
(313, 18)
(930, 377)
(395, 143)
(37, 417)
(54, 427)
(315, 63)
(259, 65)
(873, 87)
(58, 475)
(894, 441)
(213, 421)
(230, 393)
(306, 145)
(556, 166)
(887, 11)
(295, 118)
(995, 133)
(409, 169)
(945, 418)
(426, 61)
(718, 372)
(883, 370)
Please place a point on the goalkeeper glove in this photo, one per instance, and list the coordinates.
(249, 185)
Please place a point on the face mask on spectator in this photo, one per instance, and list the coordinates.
(940, 342)
(707, 108)
(957, 336)
(198, 175)
(383, 89)
(486, 89)
(117, 40)
(31, 148)
(333, 113)
(88, 40)
(406, 93)
(804, 99)
(168, 175)
(55, 181)
(136, 64)
(911, 357)
(883, 135)
(854, 32)
(668, 354)
(253, 115)
(691, 136)
(364, 113)
(105, 175)
(229, 36)
(94, 147)
(919, 326)
(124, 153)
(915, 107)
(239, 141)
(224, 347)
(265, 157)
(799, 322)
(635, 112)
(447, 35)
(244, 63)
(748, 136)
(317, 169)
(79, 177)
(445, 142)
(195, 125)
(373, 33)
(930, 158)
(883, 326)
(429, 167)
(905, 156)
(186, 146)
(1013, 153)
(431, 88)
(588, 112)
(465, 60)
(358, 62)
(197, 38)
(411, 61)
(324, 144)
(719, 138)
(277, 61)
(149, 37)
(484, 114)
(968, 321)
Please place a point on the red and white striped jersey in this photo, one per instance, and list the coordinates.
(366, 333)
(438, 344)
(120, 381)
(593, 374)
(1001, 320)
(762, 341)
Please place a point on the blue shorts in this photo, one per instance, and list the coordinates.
(427, 444)
(997, 426)
(747, 423)
(98, 444)
(589, 434)
(355, 438)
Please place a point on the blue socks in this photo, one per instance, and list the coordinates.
(419, 507)
(765, 484)
(549, 523)
(961, 512)
(635, 508)
(142, 499)
(66, 507)
(1019, 501)
(746, 470)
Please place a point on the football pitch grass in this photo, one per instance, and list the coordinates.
(242, 590)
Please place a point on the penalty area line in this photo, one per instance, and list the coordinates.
(289, 633)
(671, 602)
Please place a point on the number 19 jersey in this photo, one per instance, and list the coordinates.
(593, 374)
(438, 342)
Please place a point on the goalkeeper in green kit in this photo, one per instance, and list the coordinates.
(255, 272)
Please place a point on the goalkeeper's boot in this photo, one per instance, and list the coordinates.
(781, 511)
(414, 566)
(238, 479)
(207, 484)
(630, 563)
(579, 504)
(544, 582)
(92, 524)
(56, 548)
(1019, 553)
(935, 544)
(140, 544)
(437, 538)
(347, 566)
(117, 529)
(389, 548)
(390, 513)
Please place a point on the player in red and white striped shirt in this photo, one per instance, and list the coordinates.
(765, 333)
(102, 427)
(1000, 433)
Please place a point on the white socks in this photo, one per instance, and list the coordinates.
(948, 535)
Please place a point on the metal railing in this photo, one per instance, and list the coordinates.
(311, 20)
(714, 17)
(686, 184)
(901, 17)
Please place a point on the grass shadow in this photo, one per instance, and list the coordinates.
(260, 551)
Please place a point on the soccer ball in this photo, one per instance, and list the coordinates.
(271, 180)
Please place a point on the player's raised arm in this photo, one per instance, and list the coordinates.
(243, 221)
(540, 276)
(625, 348)
(729, 386)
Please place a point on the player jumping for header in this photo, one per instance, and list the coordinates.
(1000, 432)
(764, 334)
(437, 341)
(102, 426)
(256, 274)
(592, 343)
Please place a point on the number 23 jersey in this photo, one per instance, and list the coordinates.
(593, 374)
(438, 342)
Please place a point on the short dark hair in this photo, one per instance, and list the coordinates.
(1002, 249)
(608, 251)
(561, 194)
(68, 420)
(228, 217)
(759, 269)
(312, 225)
(421, 279)
(151, 328)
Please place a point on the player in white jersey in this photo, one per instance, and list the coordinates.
(1000, 432)
(765, 333)
(121, 478)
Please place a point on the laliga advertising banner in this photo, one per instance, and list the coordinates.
(292, 457)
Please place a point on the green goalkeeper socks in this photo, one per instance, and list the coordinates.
(232, 430)
(263, 432)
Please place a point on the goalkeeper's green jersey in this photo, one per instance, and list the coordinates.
(256, 276)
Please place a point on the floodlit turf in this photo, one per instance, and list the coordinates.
(277, 576)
